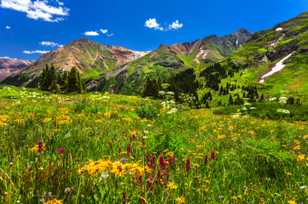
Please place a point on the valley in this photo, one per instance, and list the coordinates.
(222, 119)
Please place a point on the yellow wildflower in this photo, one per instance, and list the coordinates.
(3, 120)
(94, 168)
(46, 120)
(170, 154)
(64, 111)
(171, 186)
(108, 115)
(180, 200)
(296, 147)
(117, 169)
(54, 201)
(63, 119)
(301, 157)
(291, 202)
(38, 148)
(305, 136)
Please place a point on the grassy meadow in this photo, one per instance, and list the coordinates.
(102, 148)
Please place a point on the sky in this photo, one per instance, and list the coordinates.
(29, 28)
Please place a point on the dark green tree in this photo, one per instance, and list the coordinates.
(74, 83)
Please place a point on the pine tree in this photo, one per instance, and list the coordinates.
(231, 100)
(73, 81)
(151, 88)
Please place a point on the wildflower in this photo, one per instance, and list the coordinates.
(133, 135)
(143, 200)
(187, 165)
(54, 201)
(117, 169)
(296, 147)
(305, 136)
(171, 159)
(47, 120)
(150, 182)
(69, 190)
(124, 160)
(173, 110)
(162, 176)
(60, 151)
(162, 162)
(180, 200)
(3, 120)
(301, 157)
(63, 120)
(213, 155)
(108, 115)
(104, 175)
(129, 150)
(283, 111)
(38, 148)
(291, 202)
(171, 186)
(150, 160)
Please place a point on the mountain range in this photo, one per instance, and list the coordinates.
(9, 66)
(244, 58)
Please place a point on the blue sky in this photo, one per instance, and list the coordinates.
(30, 27)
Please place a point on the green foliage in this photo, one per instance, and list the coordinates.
(149, 111)
(208, 158)
(56, 82)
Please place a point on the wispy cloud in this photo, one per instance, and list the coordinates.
(50, 44)
(102, 31)
(176, 25)
(152, 23)
(31, 52)
(91, 33)
(8, 27)
(5, 57)
(50, 11)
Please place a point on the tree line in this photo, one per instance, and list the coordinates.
(60, 82)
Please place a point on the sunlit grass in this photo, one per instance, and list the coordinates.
(101, 148)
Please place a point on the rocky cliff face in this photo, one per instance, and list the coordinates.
(9, 66)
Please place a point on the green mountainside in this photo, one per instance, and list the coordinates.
(211, 71)
(167, 62)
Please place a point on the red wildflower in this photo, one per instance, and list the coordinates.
(187, 165)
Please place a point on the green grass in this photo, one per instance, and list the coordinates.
(218, 158)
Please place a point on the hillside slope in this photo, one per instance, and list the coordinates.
(289, 41)
(90, 58)
(9, 66)
(168, 61)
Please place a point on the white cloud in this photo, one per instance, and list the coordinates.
(31, 52)
(104, 31)
(8, 27)
(5, 57)
(38, 9)
(50, 44)
(91, 33)
(175, 25)
(101, 31)
(153, 24)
